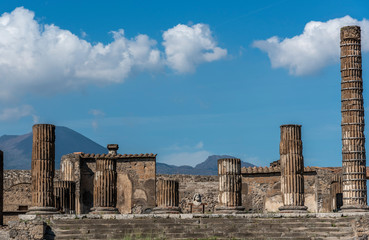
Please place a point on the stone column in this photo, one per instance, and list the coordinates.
(105, 186)
(67, 170)
(1, 187)
(292, 169)
(167, 197)
(352, 109)
(230, 186)
(64, 193)
(43, 168)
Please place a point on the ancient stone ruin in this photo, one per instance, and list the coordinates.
(122, 181)
(352, 109)
(230, 186)
(65, 196)
(105, 186)
(292, 169)
(123, 193)
(43, 168)
(167, 197)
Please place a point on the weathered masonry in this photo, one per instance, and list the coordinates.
(43, 168)
(292, 169)
(352, 108)
(64, 194)
(167, 197)
(135, 179)
(105, 186)
(261, 189)
(230, 186)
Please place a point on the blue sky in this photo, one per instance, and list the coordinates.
(184, 80)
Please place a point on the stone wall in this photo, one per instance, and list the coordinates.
(17, 189)
(262, 192)
(135, 180)
(261, 189)
(207, 186)
(136, 188)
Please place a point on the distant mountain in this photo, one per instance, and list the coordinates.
(208, 167)
(18, 148)
(18, 153)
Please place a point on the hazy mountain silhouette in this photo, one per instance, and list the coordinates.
(18, 148)
(208, 167)
(18, 152)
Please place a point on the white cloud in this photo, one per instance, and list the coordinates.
(185, 155)
(96, 113)
(315, 48)
(45, 59)
(186, 158)
(16, 113)
(188, 46)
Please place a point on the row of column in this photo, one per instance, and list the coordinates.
(44, 199)
(49, 199)
(292, 161)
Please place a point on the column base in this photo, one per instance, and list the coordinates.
(293, 209)
(229, 210)
(42, 211)
(104, 210)
(166, 210)
(354, 208)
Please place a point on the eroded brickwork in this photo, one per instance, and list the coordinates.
(43, 167)
(230, 186)
(167, 196)
(64, 194)
(352, 109)
(136, 176)
(292, 168)
(105, 185)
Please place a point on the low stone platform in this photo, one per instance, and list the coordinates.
(193, 226)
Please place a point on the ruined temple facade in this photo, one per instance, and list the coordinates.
(135, 179)
(261, 189)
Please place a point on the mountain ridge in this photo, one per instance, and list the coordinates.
(208, 167)
(18, 152)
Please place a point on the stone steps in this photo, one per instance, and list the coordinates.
(204, 228)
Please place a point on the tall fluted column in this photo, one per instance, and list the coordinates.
(230, 186)
(292, 169)
(105, 186)
(167, 197)
(1, 187)
(352, 109)
(64, 193)
(43, 168)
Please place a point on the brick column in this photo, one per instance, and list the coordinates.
(167, 197)
(230, 186)
(292, 169)
(105, 186)
(43, 168)
(352, 109)
(65, 197)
